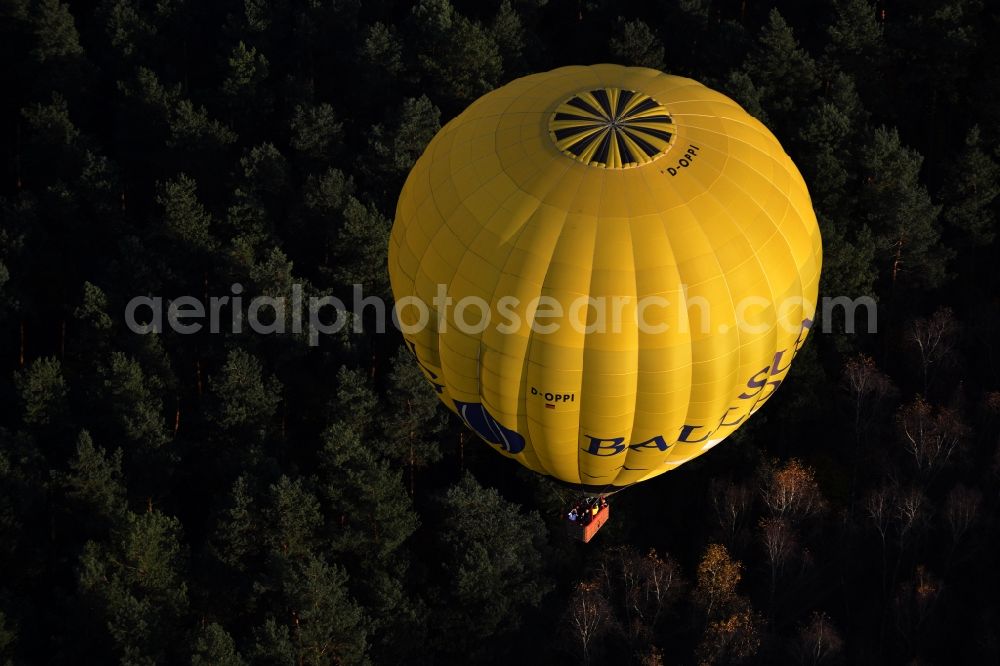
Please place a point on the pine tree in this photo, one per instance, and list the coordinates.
(361, 249)
(215, 647)
(293, 518)
(414, 125)
(193, 130)
(492, 564)
(316, 132)
(510, 36)
(433, 18)
(971, 191)
(52, 147)
(188, 127)
(243, 399)
(372, 515)
(900, 213)
(238, 557)
(828, 148)
(43, 393)
(372, 518)
(472, 69)
(135, 402)
(136, 582)
(250, 99)
(95, 479)
(125, 26)
(93, 311)
(856, 42)
(783, 71)
(326, 624)
(185, 220)
(634, 43)
(266, 170)
(247, 70)
(237, 531)
(826, 158)
(740, 86)
(273, 645)
(381, 51)
(355, 404)
(55, 31)
(51, 122)
(412, 420)
(326, 194)
(458, 57)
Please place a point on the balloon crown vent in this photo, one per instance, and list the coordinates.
(612, 128)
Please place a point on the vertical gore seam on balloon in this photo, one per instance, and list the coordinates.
(531, 333)
(522, 392)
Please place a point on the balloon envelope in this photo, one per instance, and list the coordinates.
(604, 271)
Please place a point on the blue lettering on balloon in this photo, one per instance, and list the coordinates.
(803, 332)
(764, 396)
(723, 423)
(657, 442)
(761, 386)
(755, 383)
(775, 370)
(476, 417)
(686, 432)
(616, 446)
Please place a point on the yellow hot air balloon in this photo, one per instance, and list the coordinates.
(604, 270)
